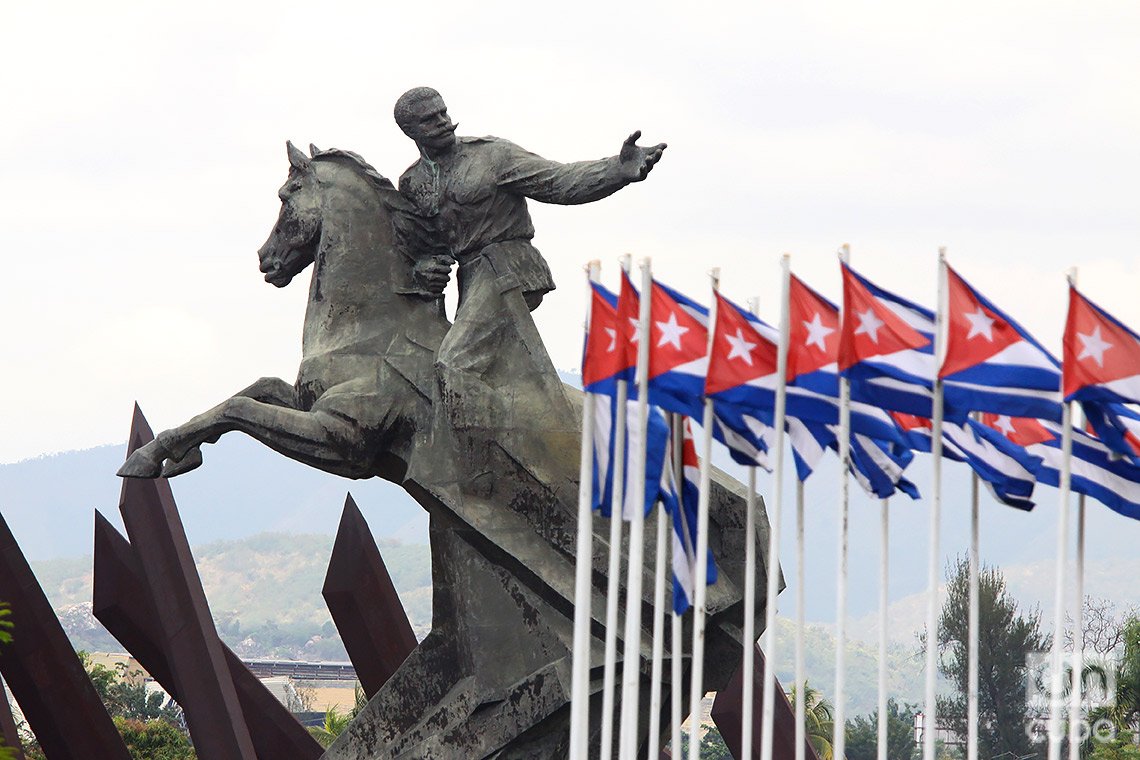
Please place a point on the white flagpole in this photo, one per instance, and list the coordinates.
(801, 600)
(1056, 675)
(884, 601)
(659, 611)
(584, 566)
(975, 619)
(676, 642)
(613, 570)
(631, 658)
(700, 592)
(930, 712)
(839, 735)
(748, 667)
(772, 562)
(1078, 661)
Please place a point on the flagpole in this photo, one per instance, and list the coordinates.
(748, 668)
(676, 642)
(584, 565)
(772, 561)
(930, 712)
(1056, 674)
(839, 735)
(613, 570)
(631, 658)
(801, 600)
(975, 619)
(884, 601)
(700, 592)
(1078, 663)
(658, 634)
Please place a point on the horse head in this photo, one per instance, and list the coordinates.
(293, 242)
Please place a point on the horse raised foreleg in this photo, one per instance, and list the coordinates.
(316, 438)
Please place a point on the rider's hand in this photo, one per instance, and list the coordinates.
(636, 161)
(433, 272)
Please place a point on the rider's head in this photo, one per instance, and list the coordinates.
(422, 115)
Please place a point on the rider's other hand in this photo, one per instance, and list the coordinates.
(434, 273)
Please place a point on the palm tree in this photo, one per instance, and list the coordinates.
(818, 719)
(336, 721)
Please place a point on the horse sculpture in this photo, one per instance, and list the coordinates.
(493, 460)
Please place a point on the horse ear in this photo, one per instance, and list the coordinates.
(313, 150)
(297, 159)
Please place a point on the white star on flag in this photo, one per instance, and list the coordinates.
(817, 332)
(613, 340)
(980, 324)
(1005, 425)
(741, 348)
(869, 324)
(636, 332)
(671, 332)
(1093, 345)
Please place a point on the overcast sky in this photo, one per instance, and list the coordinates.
(145, 145)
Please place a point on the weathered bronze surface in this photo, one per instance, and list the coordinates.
(122, 603)
(471, 419)
(46, 677)
(364, 604)
(194, 653)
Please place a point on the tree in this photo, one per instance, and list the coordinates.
(818, 719)
(336, 722)
(863, 733)
(712, 746)
(1125, 705)
(1006, 641)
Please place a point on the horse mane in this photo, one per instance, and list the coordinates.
(356, 162)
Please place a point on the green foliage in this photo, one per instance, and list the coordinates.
(124, 695)
(712, 746)
(154, 740)
(819, 720)
(1006, 639)
(336, 722)
(863, 733)
(1125, 707)
(6, 625)
(1121, 748)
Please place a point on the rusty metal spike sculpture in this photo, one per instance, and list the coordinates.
(364, 605)
(45, 675)
(727, 713)
(193, 650)
(8, 726)
(123, 605)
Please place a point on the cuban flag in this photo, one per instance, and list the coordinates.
(604, 361)
(1007, 470)
(678, 360)
(742, 372)
(877, 466)
(1117, 425)
(1101, 355)
(1096, 470)
(682, 506)
(886, 347)
(992, 364)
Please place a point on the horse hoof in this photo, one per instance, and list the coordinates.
(192, 461)
(141, 465)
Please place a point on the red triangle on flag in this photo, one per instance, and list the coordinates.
(813, 331)
(739, 352)
(870, 328)
(603, 355)
(676, 336)
(1097, 348)
(628, 316)
(1024, 431)
(974, 333)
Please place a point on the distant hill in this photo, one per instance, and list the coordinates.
(264, 593)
